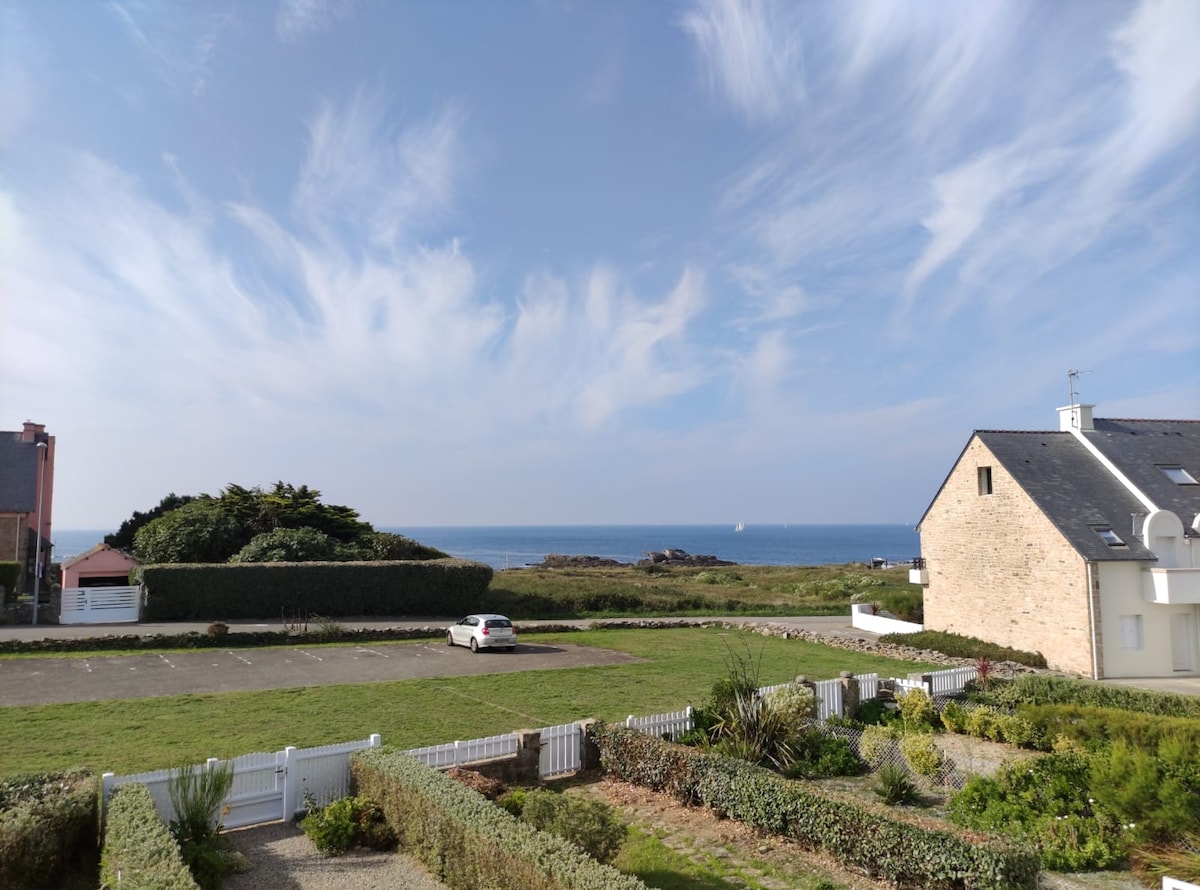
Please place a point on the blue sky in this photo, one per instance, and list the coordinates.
(566, 262)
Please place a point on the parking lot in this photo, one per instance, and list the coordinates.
(29, 681)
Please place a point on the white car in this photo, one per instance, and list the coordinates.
(483, 632)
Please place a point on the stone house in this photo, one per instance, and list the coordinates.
(26, 477)
(1082, 544)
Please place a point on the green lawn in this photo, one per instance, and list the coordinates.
(147, 734)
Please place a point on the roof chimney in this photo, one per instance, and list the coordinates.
(1075, 417)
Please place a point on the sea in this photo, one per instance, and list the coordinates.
(504, 547)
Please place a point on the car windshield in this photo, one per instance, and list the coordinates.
(498, 622)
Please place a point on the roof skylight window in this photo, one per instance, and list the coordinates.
(1108, 536)
(1179, 475)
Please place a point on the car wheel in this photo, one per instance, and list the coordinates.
(474, 645)
(512, 648)
(449, 639)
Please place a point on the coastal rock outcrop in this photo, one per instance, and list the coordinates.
(674, 556)
(559, 561)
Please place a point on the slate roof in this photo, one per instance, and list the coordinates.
(18, 474)
(1074, 490)
(1139, 447)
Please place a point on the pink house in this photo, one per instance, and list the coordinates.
(102, 566)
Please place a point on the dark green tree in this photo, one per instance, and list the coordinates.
(122, 538)
(199, 531)
(383, 546)
(294, 545)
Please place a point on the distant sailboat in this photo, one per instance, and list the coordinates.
(740, 527)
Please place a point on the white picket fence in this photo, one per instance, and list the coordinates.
(271, 786)
(266, 786)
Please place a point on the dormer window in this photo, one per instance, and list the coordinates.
(1179, 475)
(1108, 536)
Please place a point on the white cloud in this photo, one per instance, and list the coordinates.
(357, 172)
(296, 19)
(749, 53)
(181, 44)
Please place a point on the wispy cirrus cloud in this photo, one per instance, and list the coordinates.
(182, 44)
(750, 54)
(296, 19)
(358, 171)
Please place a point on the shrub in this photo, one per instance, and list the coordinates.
(907, 605)
(1095, 727)
(47, 827)
(1157, 793)
(917, 710)
(346, 823)
(218, 629)
(954, 717)
(820, 756)
(589, 824)
(1044, 689)
(139, 852)
(895, 787)
(878, 744)
(1049, 802)
(880, 841)
(197, 793)
(959, 646)
(876, 712)
(464, 839)
(922, 755)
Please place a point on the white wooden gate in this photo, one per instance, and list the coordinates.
(100, 605)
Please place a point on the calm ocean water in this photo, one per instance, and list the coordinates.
(516, 546)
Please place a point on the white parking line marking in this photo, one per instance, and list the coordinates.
(87, 666)
(310, 655)
(240, 658)
(373, 652)
(167, 661)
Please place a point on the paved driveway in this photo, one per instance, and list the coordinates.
(29, 681)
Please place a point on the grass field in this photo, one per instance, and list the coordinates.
(679, 667)
(674, 590)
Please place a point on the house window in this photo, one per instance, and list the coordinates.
(1131, 631)
(1179, 475)
(985, 480)
(1108, 536)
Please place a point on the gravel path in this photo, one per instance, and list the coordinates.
(282, 858)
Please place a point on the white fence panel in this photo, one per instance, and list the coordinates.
(266, 786)
(99, 605)
(324, 772)
(458, 753)
(562, 750)
(829, 699)
(257, 792)
(868, 686)
(673, 724)
(903, 686)
(952, 681)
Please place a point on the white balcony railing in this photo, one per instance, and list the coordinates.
(1172, 587)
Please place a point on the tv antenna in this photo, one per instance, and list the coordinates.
(1072, 375)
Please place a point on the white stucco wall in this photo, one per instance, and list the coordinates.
(1121, 598)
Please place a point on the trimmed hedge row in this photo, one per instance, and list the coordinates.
(1048, 689)
(48, 827)
(905, 853)
(467, 841)
(139, 852)
(269, 590)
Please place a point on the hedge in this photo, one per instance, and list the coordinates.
(139, 852)
(465, 840)
(274, 590)
(1048, 689)
(871, 838)
(48, 827)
